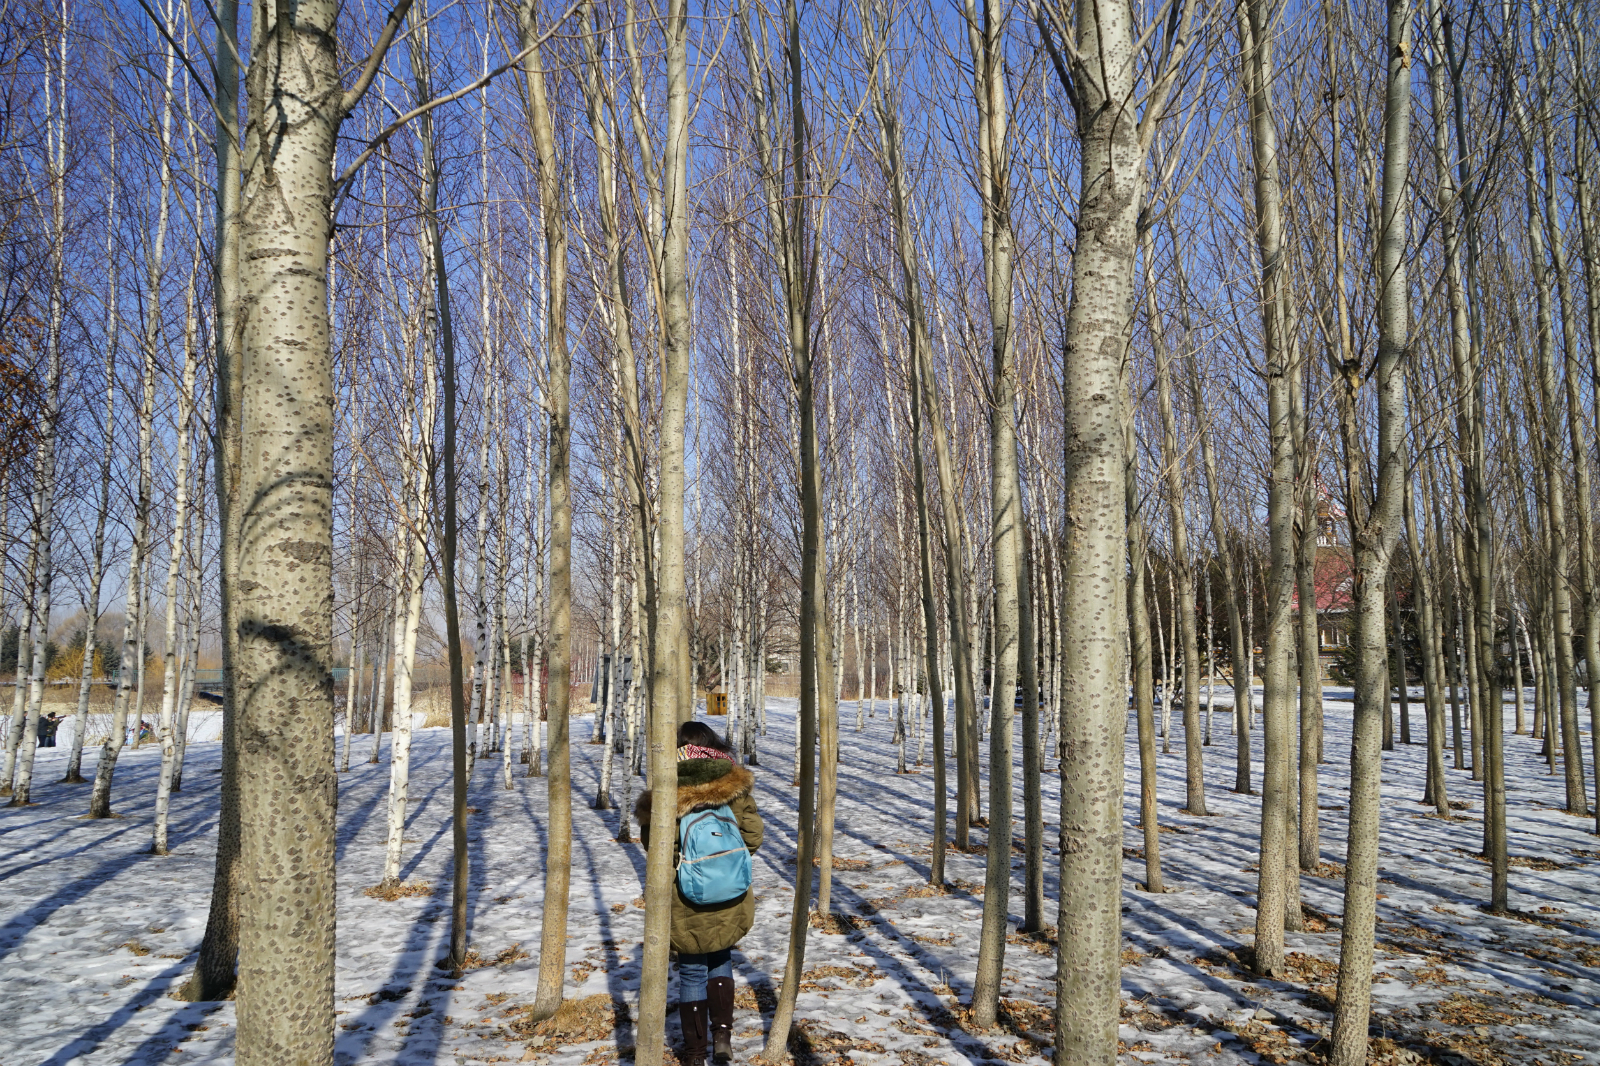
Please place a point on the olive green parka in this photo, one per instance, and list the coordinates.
(702, 785)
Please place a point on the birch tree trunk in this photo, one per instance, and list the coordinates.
(383, 671)
(1556, 497)
(925, 406)
(91, 603)
(1435, 791)
(508, 701)
(1580, 439)
(19, 695)
(1588, 222)
(480, 605)
(44, 505)
(1308, 633)
(412, 528)
(1032, 755)
(439, 328)
(192, 653)
(170, 681)
(133, 614)
(1239, 649)
(930, 625)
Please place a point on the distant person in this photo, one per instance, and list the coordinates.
(47, 729)
(704, 934)
(146, 731)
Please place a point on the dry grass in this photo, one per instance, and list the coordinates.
(811, 1044)
(389, 891)
(854, 976)
(838, 923)
(576, 1021)
(838, 863)
(475, 961)
(762, 999)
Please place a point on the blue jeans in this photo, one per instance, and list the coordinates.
(695, 970)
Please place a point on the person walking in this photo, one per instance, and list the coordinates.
(704, 934)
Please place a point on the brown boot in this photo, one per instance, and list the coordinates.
(692, 1016)
(719, 1003)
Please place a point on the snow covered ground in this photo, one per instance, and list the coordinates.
(95, 932)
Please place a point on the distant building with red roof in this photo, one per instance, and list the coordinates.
(1333, 577)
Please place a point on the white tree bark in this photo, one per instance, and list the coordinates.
(133, 613)
(170, 681)
(50, 428)
(408, 619)
(91, 605)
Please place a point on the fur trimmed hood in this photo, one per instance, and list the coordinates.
(702, 784)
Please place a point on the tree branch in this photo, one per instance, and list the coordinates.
(342, 183)
(374, 60)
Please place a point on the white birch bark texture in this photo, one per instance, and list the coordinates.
(50, 428)
(170, 681)
(408, 622)
(1374, 547)
(97, 551)
(481, 653)
(132, 645)
(507, 702)
(287, 779)
(19, 695)
(192, 581)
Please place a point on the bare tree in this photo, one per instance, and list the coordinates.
(1374, 548)
(558, 856)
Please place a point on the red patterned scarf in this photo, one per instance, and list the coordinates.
(695, 751)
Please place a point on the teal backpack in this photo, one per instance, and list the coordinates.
(713, 862)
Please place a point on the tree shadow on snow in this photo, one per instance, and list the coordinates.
(16, 929)
(90, 1039)
(408, 867)
(415, 960)
(351, 823)
(918, 990)
(617, 971)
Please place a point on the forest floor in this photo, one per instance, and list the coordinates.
(95, 932)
